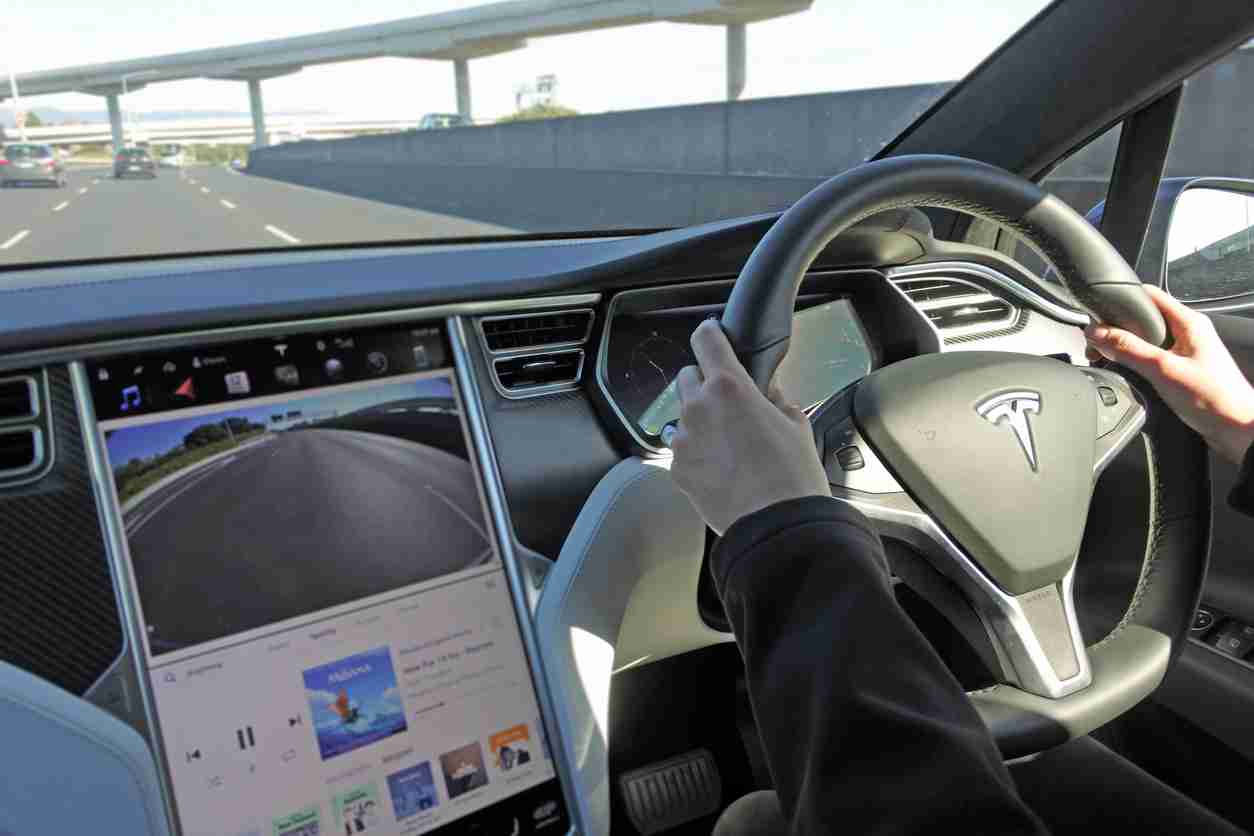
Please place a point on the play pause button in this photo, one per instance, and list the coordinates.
(245, 738)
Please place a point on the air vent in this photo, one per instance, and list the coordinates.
(527, 374)
(21, 451)
(543, 330)
(954, 304)
(19, 399)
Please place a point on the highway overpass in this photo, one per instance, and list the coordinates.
(212, 131)
(457, 36)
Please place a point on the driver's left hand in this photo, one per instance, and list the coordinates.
(736, 451)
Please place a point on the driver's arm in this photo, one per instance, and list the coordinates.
(865, 729)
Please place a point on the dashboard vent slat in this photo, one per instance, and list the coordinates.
(19, 399)
(955, 304)
(21, 451)
(531, 372)
(543, 330)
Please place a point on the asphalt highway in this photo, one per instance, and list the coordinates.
(198, 209)
(307, 520)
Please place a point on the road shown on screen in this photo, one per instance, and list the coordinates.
(297, 522)
(199, 209)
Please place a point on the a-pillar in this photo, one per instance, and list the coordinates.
(115, 121)
(736, 53)
(259, 113)
(461, 76)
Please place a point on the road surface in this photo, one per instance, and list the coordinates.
(198, 209)
(308, 520)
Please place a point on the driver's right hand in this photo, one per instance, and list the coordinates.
(1196, 377)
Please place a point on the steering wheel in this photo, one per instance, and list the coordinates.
(986, 462)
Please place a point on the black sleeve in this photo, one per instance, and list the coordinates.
(1241, 497)
(865, 729)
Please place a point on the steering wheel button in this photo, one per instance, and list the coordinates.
(1107, 395)
(850, 458)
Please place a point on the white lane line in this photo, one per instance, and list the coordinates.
(12, 241)
(83, 190)
(204, 190)
(95, 182)
(191, 181)
(135, 525)
(228, 204)
(60, 206)
(278, 233)
(457, 510)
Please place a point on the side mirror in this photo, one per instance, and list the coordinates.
(1210, 245)
(1200, 242)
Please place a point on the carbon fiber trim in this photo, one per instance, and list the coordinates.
(58, 611)
(1019, 325)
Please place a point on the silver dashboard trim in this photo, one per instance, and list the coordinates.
(1030, 297)
(107, 508)
(543, 389)
(494, 488)
(210, 336)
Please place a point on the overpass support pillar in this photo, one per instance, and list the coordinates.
(259, 113)
(461, 75)
(736, 55)
(115, 121)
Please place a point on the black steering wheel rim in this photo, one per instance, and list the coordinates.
(758, 317)
(1127, 664)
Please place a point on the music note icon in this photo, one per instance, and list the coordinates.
(130, 398)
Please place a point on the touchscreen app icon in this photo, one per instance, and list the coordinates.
(511, 748)
(413, 791)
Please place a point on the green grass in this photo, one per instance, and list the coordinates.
(129, 487)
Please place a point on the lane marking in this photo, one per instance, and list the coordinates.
(83, 190)
(191, 181)
(457, 510)
(228, 204)
(12, 241)
(95, 182)
(60, 206)
(204, 189)
(278, 233)
(135, 525)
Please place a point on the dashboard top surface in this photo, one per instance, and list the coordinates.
(80, 304)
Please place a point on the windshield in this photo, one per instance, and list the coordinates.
(389, 121)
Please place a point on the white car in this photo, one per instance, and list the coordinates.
(170, 155)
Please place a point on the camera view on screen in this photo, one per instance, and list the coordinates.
(290, 507)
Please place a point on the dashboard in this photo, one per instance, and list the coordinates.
(529, 374)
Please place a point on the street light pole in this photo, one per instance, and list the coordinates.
(17, 105)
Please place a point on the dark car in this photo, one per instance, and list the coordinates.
(134, 162)
(31, 163)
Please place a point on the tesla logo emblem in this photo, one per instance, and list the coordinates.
(1011, 409)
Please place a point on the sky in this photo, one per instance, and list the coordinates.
(148, 440)
(835, 45)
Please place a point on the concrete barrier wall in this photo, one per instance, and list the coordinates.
(683, 165)
(664, 167)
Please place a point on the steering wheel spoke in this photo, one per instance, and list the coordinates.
(1034, 633)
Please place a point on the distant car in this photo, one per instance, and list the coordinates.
(238, 164)
(433, 121)
(134, 162)
(171, 155)
(30, 163)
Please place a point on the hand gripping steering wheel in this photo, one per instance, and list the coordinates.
(985, 462)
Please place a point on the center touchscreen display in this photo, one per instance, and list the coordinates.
(330, 639)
